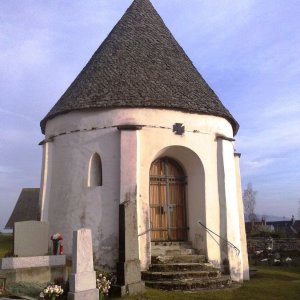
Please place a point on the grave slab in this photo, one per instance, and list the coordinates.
(31, 238)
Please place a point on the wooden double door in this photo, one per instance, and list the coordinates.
(167, 201)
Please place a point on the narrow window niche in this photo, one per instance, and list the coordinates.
(95, 171)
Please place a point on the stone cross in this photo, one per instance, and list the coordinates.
(178, 128)
(83, 276)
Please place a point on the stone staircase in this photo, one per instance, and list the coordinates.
(177, 266)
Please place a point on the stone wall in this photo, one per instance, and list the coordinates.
(279, 244)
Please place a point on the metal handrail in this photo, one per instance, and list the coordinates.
(146, 231)
(238, 251)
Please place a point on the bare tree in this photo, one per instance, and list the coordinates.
(249, 198)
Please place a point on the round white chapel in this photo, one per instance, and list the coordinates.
(140, 124)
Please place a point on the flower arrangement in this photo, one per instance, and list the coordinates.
(51, 291)
(57, 236)
(103, 284)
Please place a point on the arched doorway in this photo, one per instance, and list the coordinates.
(167, 201)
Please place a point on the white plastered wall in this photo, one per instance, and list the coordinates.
(68, 201)
(246, 275)
(71, 204)
(229, 210)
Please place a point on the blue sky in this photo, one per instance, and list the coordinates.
(247, 50)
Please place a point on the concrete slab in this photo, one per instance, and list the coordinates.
(8, 263)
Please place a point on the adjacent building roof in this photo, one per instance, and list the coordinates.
(140, 65)
(290, 228)
(27, 207)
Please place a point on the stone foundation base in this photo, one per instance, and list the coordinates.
(83, 281)
(84, 295)
(129, 272)
(33, 269)
(129, 289)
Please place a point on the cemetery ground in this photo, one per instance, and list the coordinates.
(269, 283)
(6, 242)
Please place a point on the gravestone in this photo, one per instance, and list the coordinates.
(128, 268)
(83, 277)
(31, 238)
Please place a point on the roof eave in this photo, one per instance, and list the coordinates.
(235, 125)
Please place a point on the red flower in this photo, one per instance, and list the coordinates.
(56, 236)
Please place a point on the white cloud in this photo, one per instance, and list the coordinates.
(271, 130)
(250, 167)
(283, 107)
(270, 142)
(18, 115)
(8, 170)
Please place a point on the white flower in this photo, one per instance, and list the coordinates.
(264, 259)
(103, 284)
(52, 289)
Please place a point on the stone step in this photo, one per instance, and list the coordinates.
(177, 266)
(171, 248)
(183, 251)
(167, 259)
(191, 284)
(162, 276)
(171, 245)
(180, 267)
(179, 244)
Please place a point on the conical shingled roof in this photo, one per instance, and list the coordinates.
(140, 65)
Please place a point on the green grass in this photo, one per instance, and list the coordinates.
(270, 283)
(32, 289)
(6, 244)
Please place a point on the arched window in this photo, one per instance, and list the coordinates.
(95, 171)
